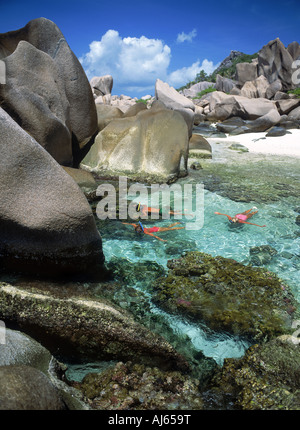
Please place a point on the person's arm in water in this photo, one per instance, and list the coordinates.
(156, 237)
(128, 223)
(245, 222)
(228, 216)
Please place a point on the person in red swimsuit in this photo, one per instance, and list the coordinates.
(242, 217)
(145, 210)
(139, 228)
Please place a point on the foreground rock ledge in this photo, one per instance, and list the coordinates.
(85, 328)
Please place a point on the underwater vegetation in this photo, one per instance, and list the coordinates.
(226, 295)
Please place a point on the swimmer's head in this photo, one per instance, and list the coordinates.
(139, 228)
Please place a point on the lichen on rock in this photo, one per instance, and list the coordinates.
(226, 295)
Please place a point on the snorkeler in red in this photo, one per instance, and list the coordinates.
(145, 210)
(139, 228)
(242, 217)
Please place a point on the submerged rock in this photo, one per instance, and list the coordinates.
(226, 295)
(129, 386)
(266, 378)
(90, 328)
(261, 255)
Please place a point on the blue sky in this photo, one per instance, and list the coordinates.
(139, 41)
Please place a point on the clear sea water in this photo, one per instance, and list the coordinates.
(216, 237)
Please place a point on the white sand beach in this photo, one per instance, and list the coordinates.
(288, 145)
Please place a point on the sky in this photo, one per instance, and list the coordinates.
(138, 41)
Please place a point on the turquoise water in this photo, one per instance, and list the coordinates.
(216, 237)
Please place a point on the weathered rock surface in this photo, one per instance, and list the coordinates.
(51, 97)
(266, 378)
(255, 89)
(175, 101)
(26, 388)
(137, 387)
(199, 147)
(275, 62)
(193, 90)
(85, 327)
(228, 296)
(101, 85)
(246, 72)
(47, 225)
(223, 106)
(154, 142)
(106, 113)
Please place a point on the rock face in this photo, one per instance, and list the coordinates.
(246, 72)
(275, 62)
(51, 98)
(26, 388)
(266, 378)
(84, 327)
(46, 222)
(21, 349)
(175, 101)
(102, 85)
(223, 106)
(154, 142)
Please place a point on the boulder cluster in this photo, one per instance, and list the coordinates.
(47, 117)
(257, 100)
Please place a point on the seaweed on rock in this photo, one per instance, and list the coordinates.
(226, 295)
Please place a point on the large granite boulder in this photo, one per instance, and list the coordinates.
(152, 143)
(285, 106)
(223, 106)
(275, 62)
(246, 72)
(106, 113)
(47, 91)
(175, 101)
(295, 114)
(255, 89)
(224, 84)
(294, 50)
(26, 388)
(193, 90)
(101, 85)
(47, 225)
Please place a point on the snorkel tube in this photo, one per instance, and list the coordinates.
(141, 226)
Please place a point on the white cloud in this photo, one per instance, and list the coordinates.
(135, 63)
(184, 75)
(183, 37)
(131, 61)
